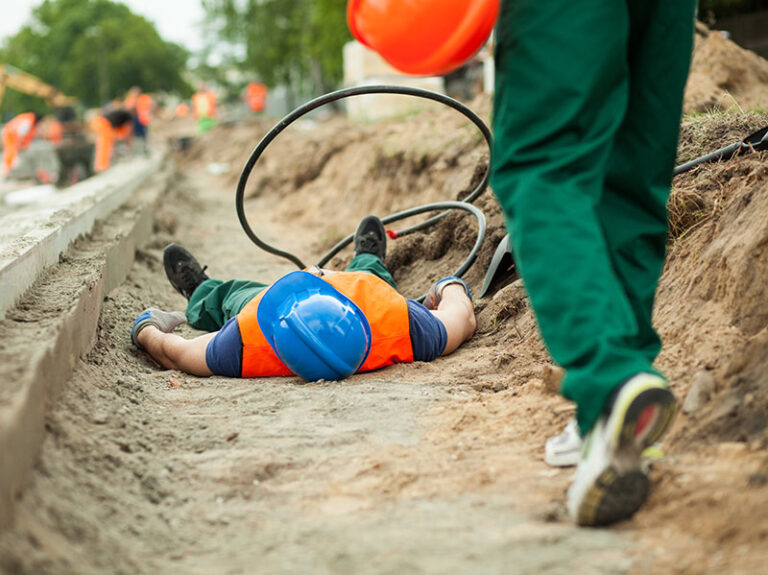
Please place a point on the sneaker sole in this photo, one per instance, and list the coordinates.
(622, 488)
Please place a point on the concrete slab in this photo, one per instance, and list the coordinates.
(32, 238)
(41, 342)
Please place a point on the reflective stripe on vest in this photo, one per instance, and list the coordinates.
(385, 309)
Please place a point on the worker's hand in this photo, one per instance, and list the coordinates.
(435, 293)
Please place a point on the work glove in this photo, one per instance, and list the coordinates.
(165, 321)
(435, 293)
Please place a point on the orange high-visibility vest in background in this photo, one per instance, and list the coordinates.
(105, 140)
(385, 309)
(256, 95)
(204, 104)
(106, 134)
(55, 131)
(144, 109)
(17, 135)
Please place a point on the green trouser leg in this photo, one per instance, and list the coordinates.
(373, 265)
(214, 302)
(586, 119)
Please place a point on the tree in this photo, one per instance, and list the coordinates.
(297, 43)
(96, 50)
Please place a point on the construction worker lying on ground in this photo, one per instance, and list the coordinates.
(318, 324)
(116, 124)
(17, 136)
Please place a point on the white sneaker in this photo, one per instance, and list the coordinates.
(564, 450)
(609, 484)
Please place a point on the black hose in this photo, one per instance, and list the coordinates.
(474, 210)
(758, 141)
(345, 93)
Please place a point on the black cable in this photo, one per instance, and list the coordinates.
(474, 210)
(346, 93)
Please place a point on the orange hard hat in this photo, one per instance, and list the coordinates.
(421, 37)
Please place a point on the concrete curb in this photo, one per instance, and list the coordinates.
(73, 332)
(34, 238)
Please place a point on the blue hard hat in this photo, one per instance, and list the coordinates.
(315, 330)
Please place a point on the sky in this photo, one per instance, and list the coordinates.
(176, 20)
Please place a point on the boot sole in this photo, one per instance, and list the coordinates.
(622, 488)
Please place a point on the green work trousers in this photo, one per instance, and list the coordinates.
(586, 120)
(214, 302)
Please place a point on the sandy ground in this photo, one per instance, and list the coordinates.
(422, 468)
(146, 470)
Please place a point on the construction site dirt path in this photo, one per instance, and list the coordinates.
(420, 468)
(152, 471)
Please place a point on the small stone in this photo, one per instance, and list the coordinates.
(499, 386)
(100, 417)
(700, 393)
(757, 479)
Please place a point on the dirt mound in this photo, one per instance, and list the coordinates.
(711, 304)
(724, 75)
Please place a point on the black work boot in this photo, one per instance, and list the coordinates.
(371, 238)
(183, 270)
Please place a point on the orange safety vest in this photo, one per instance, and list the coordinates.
(385, 309)
(17, 135)
(256, 94)
(55, 132)
(23, 128)
(204, 104)
(144, 109)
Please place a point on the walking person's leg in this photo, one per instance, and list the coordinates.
(561, 101)
(633, 208)
(609, 483)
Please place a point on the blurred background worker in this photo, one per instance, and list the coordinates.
(256, 96)
(17, 135)
(116, 124)
(182, 110)
(52, 130)
(140, 105)
(204, 109)
(586, 116)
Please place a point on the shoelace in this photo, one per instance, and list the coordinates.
(369, 242)
(192, 277)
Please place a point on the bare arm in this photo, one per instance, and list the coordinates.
(457, 314)
(174, 352)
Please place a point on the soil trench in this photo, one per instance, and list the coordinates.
(420, 468)
(152, 471)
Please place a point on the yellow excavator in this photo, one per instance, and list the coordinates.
(20, 81)
(75, 154)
